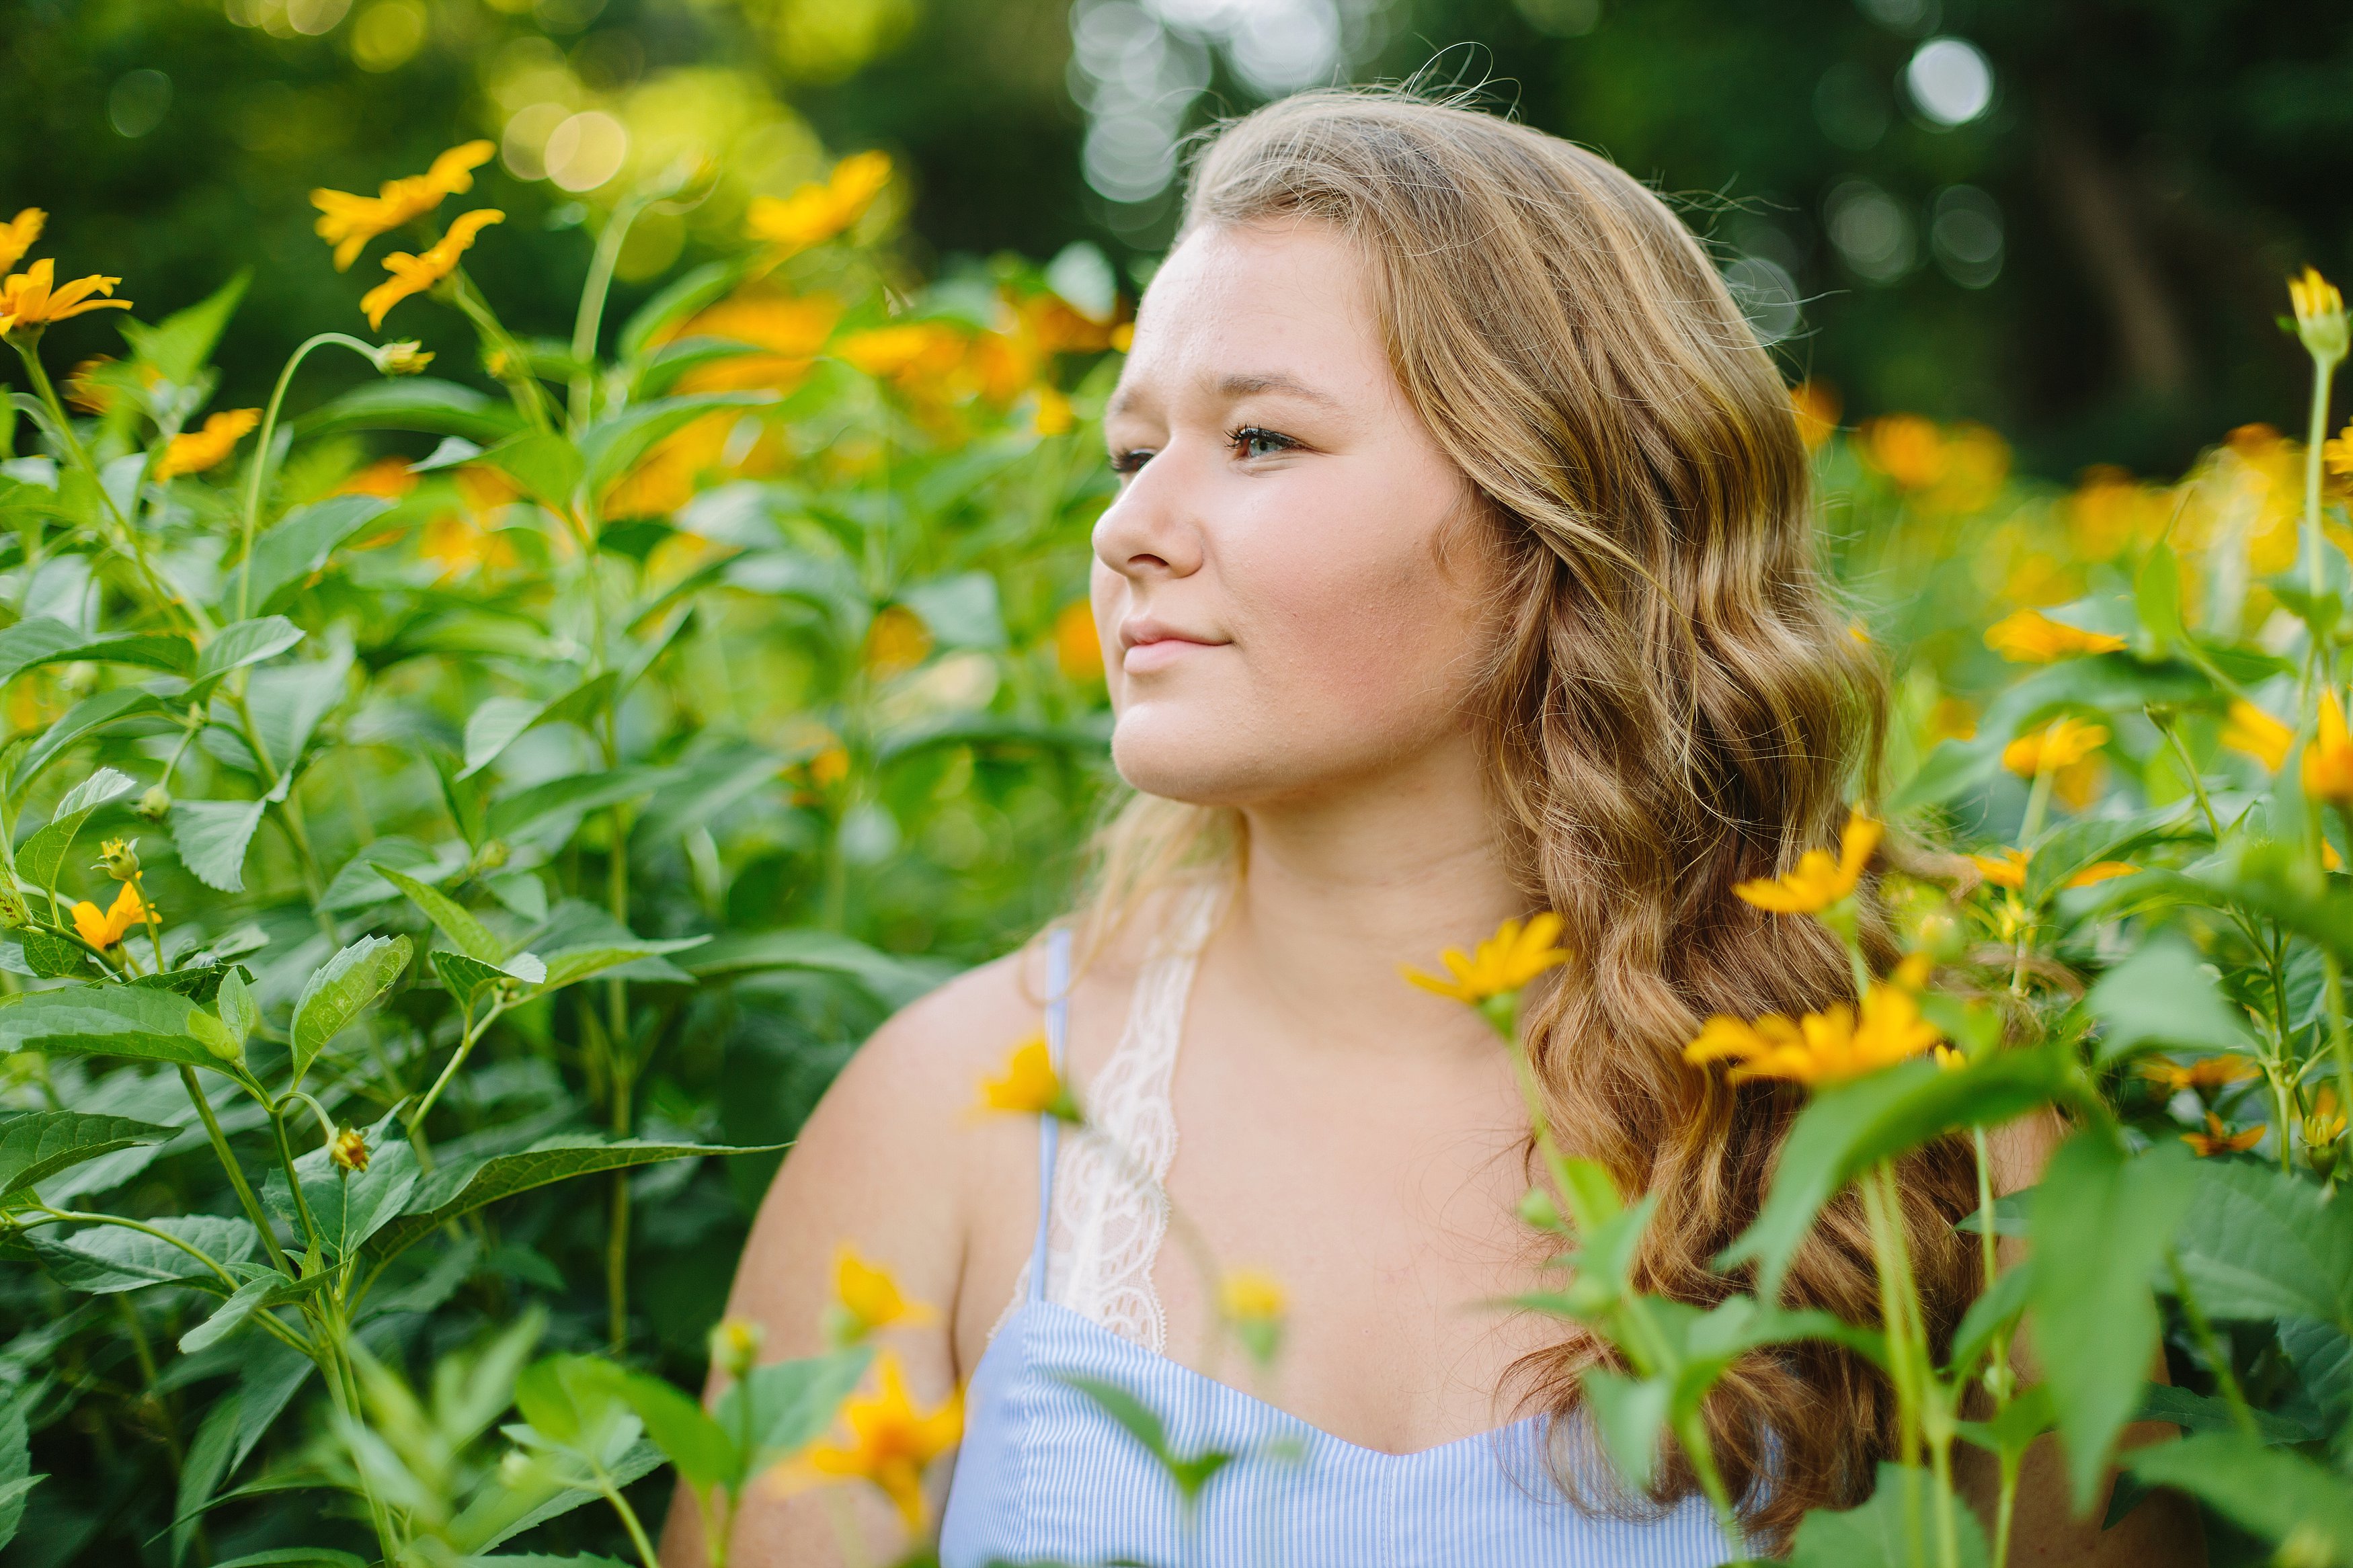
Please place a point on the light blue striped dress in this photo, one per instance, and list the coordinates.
(1045, 1476)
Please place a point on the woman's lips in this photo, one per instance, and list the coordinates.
(1160, 652)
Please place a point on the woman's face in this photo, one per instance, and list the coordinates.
(1277, 618)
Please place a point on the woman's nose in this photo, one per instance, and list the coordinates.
(1148, 531)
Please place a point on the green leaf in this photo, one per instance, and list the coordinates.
(2157, 597)
(107, 1020)
(42, 639)
(611, 447)
(2085, 842)
(1847, 1129)
(105, 1258)
(53, 957)
(178, 346)
(43, 856)
(288, 701)
(350, 1207)
(297, 1557)
(2102, 1221)
(458, 923)
(500, 721)
(892, 981)
(568, 1402)
(240, 1015)
(576, 964)
(520, 814)
(1952, 767)
(213, 836)
(1632, 1412)
(302, 542)
(2256, 1243)
(2276, 1494)
(239, 644)
(2160, 996)
(546, 466)
(339, 991)
(416, 403)
(16, 1465)
(1878, 1534)
(2210, 1412)
(960, 611)
(678, 299)
(702, 1451)
(791, 1402)
(264, 1290)
(1992, 1311)
(461, 1187)
(202, 1472)
(465, 975)
(86, 717)
(1134, 1416)
(36, 1144)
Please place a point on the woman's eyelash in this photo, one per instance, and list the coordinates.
(1241, 435)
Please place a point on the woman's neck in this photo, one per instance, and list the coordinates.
(1341, 890)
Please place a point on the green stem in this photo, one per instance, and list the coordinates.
(1691, 1434)
(458, 1060)
(2316, 436)
(257, 479)
(588, 324)
(2005, 1505)
(198, 1253)
(293, 1180)
(529, 399)
(245, 1197)
(612, 1494)
(129, 544)
(2211, 1348)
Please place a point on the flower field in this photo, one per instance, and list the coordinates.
(418, 806)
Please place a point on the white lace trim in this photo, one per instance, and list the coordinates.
(1111, 1201)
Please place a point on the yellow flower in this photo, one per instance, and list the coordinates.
(2062, 742)
(867, 1298)
(1078, 648)
(2338, 453)
(1819, 882)
(1122, 336)
(198, 450)
(31, 299)
(407, 358)
(1505, 962)
(891, 1442)
(416, 274)
(1029, 1085)
(2205, 1075)
(1948, 1058)
(2030, 637)
(2007, 870)
(1906, 448)
(2258, 734)
(2324, 1123)
(1251, 1295)
(896, 641)
(18, 235)
(2328, 761)
(349, 1152)
(1820, 1048)
(1816, 405)
(1054, 416)
(819, 210)
(103, 930)
(2220, 1140)
(2319, 315)
(348, 222)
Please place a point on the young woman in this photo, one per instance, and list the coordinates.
(1462, 567)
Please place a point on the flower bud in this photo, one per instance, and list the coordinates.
(155, 804)
(119, 857)
(214, 1036)
(736, 1346)
(408, 358)
(2319, 316)
(13, 912)
(349, 1152)
(491, 854)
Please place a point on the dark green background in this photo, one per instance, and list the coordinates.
(2161, 166)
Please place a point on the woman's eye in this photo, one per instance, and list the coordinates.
(1129, 461)
(1248, 440)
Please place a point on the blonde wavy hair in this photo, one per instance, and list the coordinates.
(1673, 703)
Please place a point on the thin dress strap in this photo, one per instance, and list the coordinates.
(1058, 1032)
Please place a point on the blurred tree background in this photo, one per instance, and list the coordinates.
(2055, 217)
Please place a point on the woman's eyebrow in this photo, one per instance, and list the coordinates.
(1237, 384)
